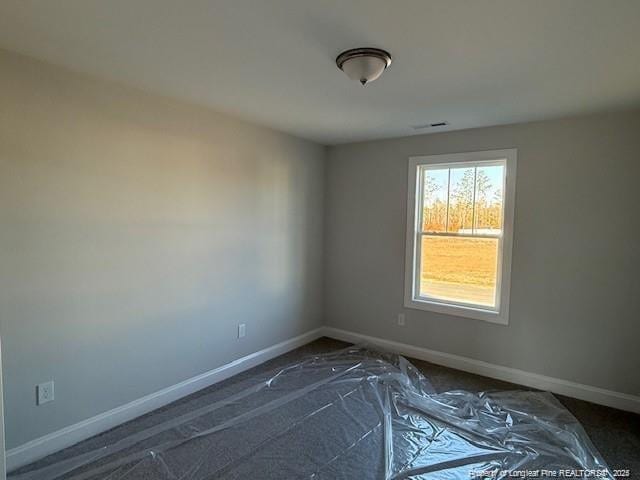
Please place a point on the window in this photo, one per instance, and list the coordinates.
(459, 233)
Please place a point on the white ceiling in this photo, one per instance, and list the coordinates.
(471, 63)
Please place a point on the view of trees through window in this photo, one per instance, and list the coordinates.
(461, 227)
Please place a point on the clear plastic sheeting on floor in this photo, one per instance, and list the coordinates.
(353, 414)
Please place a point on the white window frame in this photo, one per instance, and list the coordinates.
(500, 314)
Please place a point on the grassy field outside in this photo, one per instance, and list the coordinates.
(462, 269)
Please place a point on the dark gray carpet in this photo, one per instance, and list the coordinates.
(616, 434)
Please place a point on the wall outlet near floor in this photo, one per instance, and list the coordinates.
(45, 392)
(242, 330)
(401, 320)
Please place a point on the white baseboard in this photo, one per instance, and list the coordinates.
(622, 401)
(53, 442)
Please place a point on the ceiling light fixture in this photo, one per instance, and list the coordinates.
(364, 64)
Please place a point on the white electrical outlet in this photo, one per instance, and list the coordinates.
(401, 320)
(45, 392)
(242, 330)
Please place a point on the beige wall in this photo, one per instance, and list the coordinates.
(137, 232)
(575, 294)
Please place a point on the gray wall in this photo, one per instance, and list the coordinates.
(575, 295)
(137, 232)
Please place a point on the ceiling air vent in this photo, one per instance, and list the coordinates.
(430, 125)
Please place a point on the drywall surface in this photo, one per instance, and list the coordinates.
(575, 294)
(137, 233)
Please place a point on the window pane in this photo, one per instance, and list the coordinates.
(461, 188)
(488, 206)
(434, 211)
(459, 269)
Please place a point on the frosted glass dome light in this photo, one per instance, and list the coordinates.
(363, 64)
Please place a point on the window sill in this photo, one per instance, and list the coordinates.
(491, 316)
